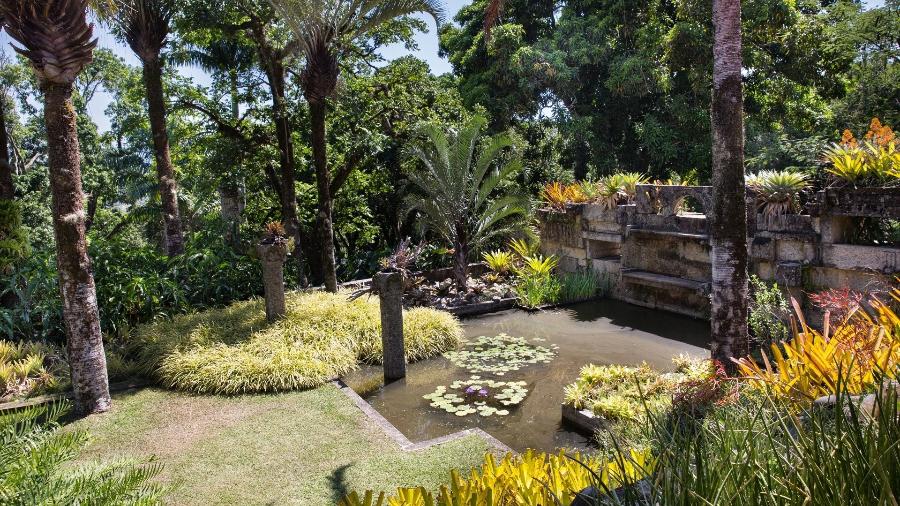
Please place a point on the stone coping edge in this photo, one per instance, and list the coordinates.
(48, 399)
(405, 444)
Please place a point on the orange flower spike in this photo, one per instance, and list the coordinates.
(848, 139)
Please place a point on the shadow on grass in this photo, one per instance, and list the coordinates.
(337, 481)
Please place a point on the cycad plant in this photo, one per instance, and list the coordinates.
(324, 30)
(35, 466)
(459, 193)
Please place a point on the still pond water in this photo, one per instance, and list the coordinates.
(599, 332)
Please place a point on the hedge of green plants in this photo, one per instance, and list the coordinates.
(234, 350)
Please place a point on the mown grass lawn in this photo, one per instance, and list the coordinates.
(306, 447)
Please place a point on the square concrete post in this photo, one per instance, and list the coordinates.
(272, 257)
(390, 292)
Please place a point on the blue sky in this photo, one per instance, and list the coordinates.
(427, 42)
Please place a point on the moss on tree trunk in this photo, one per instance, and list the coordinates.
(728, 219)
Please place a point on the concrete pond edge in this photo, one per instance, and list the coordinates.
(404, 442)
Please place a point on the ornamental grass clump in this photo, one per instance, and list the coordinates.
(234, 350)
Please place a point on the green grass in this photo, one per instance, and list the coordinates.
(305, 448)
(234, 350)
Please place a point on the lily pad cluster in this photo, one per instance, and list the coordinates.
(483, 396)
(500, 355)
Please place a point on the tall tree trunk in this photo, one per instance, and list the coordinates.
(84, 343)
(7, 190)
(231, 194)
(288, 190)
(168, 188)
(323, 183)
(728, 219)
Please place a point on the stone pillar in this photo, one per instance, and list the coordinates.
(272, 257)
(390, 292)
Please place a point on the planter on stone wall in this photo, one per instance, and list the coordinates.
(859, 202)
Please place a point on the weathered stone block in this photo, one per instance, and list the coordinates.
(789, 274)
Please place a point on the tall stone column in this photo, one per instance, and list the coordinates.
(390, 292)
(272, 256)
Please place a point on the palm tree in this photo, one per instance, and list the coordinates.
(145, 25)
(457, 186)
(227, 58)
(728, 219)
(322, 27)
(56, 37)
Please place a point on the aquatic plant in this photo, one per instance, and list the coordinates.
(499, 355)
(483, 396)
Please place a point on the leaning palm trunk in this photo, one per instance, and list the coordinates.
(57, 39)
(165, 171)
(728, 218)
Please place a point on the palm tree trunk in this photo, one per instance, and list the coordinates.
(728, 219)
(461, 260)
(168, 188)
(7, 190)
(323, 183)
(288, 190)
(84, 344)
(231, 194)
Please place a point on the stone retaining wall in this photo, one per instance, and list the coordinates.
(658, 255)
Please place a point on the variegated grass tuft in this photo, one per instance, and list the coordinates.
(234, 350)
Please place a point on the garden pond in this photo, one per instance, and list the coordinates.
(508, 378)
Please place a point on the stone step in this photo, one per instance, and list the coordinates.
(663, 234)
(663, 281)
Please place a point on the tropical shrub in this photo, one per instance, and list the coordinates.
(625, 396)
(849, 355)
(36, 466)
(557, 195)
(29, 369)
(500, 262)
(135, 284)
(233, 350)
(754, 452)
(778, 192)
(524, 248)
(535, 283)
(461, 195)
(875, 162)
(769, 313)
(14, 246)
(532, 479)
